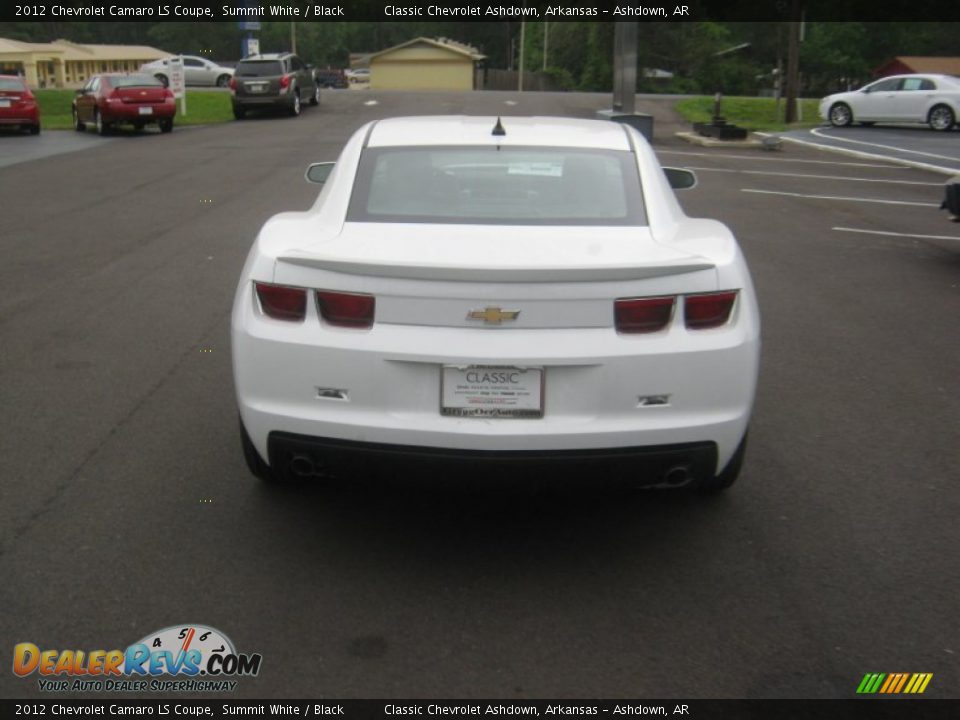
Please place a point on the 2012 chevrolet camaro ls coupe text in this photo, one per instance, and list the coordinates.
(499, 292)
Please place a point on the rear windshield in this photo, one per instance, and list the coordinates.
(259, 68)
(10, 84)
(506, 186)
(134, 81)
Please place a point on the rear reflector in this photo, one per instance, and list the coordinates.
(281, 302)
(642, 315)
(708, 311)
(346, 309)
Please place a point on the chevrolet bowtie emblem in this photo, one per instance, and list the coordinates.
(493, 315)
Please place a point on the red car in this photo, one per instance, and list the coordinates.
(137, 99)
(17, 104)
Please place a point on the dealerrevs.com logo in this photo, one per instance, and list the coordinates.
(184, 658)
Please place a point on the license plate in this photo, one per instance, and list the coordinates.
(491, 391)
(146, 111)
(256, 88)
(4, 103)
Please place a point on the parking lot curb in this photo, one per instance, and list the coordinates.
(695, 139)
(867, 156)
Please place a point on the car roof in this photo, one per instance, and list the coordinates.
(477, 130)
(935, 76)
(266, 56)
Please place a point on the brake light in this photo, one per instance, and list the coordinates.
(642, 315)
(281, 302)
(353, 310)
(709, 310)
(233, 84)
(284, 82)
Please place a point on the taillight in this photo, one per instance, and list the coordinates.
(284, 82)
(233, 84)
(708, 310)
(346, 309)
(642, 315)
(281, 302)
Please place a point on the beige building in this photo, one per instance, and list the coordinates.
(65, 64)
(425, 64)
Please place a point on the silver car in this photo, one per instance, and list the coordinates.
(933, 100)
(196, 71)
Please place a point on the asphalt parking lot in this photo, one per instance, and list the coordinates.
(911, 145)
(126, 506)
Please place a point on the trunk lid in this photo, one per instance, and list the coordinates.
(142, 94)
(451, 275)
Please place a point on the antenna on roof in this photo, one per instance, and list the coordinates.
(498, 129)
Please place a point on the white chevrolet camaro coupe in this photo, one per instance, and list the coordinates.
(932, 100)
(486, 294)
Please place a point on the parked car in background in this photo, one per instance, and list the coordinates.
(197, 71)
(112, 99)
(18, 106)
(360, 75)
(273, 80)
(334, 78)
(930, 99)
(494, 294)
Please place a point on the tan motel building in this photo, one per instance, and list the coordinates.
(66, 64)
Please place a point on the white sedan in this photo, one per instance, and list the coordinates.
(929, 99)
(490, 294)
(196, 71)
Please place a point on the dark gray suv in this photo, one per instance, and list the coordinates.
(273, 80)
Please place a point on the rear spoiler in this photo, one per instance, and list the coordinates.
(500, 274)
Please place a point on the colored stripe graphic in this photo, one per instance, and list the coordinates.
(894, 683)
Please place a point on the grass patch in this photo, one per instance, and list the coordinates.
(748, 112)
(203, 108)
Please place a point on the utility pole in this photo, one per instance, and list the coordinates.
(545, 37)
(793, 60)
(523, 27)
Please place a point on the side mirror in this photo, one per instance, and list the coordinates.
(679, 178)
(319, 172)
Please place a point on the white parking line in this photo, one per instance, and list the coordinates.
(815, 177)
(894, 234)
(847, 199)
(819, 133)
(779, 159)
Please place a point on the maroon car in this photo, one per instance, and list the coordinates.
(137, 99)
(17, 104)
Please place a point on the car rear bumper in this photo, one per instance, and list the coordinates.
(596, 384)
(131, 113)
(301, 456)
(263, 101)
(23, 118)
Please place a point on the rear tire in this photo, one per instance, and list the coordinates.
(103, 128)
(315, 99)
(223, 81)
(166, 125)
(239, 113)
(77, 125)
(35, 129)
(728, 476)
(163, 79)
(941, 118)
(255, 463)
(295, 107)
